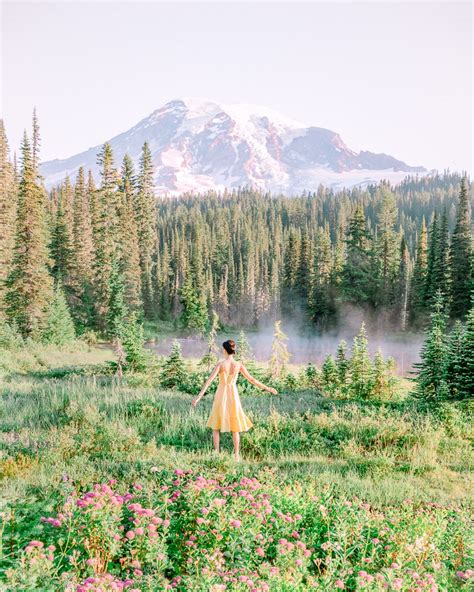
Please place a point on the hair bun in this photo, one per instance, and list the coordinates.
(229, 346)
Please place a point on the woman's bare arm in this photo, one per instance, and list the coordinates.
(256, 382)
(207, 384)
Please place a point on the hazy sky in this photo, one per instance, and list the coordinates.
(389, 77)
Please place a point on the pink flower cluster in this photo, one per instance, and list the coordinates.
(105, 582)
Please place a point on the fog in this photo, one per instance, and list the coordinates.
(307, 345)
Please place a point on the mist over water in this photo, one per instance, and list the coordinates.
(306, 345)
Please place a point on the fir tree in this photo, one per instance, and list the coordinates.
(212, 354)
(145, 213)
(174, 370)
(330, 376)
(280, 355)
(342, 363)
(194, 313)
(361, 384)
(455, 361)
(129, 254)
(418, 280)
(83, 261)
(244, 351)
(386, 248)
(132, 341)
(8, 202)
(117, 309)
(29, 285)
(461, 256)
(59, 329)
(441, 269)
(105, 232)
(357, 274)
(403, 288)
(431, 378)
(61, 247)
(465, 378)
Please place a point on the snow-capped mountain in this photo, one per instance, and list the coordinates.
(198, 145)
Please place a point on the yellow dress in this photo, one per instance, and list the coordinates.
(227, 414)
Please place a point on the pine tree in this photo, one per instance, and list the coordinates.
(383, 380)
(461, 256)
(291, 264)
(129, 253)
(244, 351)
(441, 268)
(8, 203)
(403, 288)
(418, 280)
(212, 354)
(174, 370)
(330, 376)
(105, 232)
(132, 341)
(194, 313)
(342, 363)
(361, 384)
(117, 310)
(35, 148)
(454, 360)
(465, 378)
(320, 304)
(145, 212)
(431, 378)
(83, 263)
(387, 251)
(433, 242)
(61, 247)
(280, 355)
(29, 285)
(357, 274)
(59, 329)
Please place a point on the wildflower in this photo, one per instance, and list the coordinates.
(339, 584)
(236, 523)
(130, 535)
(260, 552)
(397, 584)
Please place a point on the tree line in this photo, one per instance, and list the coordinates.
(91, 252)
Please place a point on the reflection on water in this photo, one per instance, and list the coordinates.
(405, 350)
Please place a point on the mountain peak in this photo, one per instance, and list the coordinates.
(198, 144)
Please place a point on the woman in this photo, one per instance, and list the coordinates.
(227, 414)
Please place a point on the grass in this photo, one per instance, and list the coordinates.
(61, 418)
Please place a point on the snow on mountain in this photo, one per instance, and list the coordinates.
(198, 145)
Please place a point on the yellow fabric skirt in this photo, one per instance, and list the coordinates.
(227, 414)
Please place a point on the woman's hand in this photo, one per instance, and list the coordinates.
(195, 401)
(272, 390)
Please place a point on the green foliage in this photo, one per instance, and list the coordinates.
(10, 338)
(212, 354)
(244, 351)
(360, 367)
(194, 314)
(29, 284)
(461, 256)
(59, 329)
(117, 309)
(280, 355)
(173, 374)
(357, 274)
(132, 341)
(431, 377)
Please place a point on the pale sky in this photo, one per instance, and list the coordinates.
(388, 77)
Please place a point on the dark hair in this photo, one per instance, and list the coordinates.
(229, 346)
